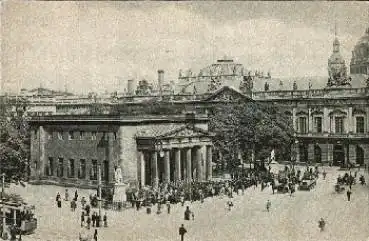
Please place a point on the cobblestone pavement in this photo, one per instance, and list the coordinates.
(291, 218)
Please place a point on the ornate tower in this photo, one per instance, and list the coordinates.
(337, 66)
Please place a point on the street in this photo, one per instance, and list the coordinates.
(290, 218)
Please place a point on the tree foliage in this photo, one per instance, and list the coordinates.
(14, 140)
(239, 127)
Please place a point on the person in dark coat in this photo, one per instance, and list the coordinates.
(168, 207)
(97, 220)
(349, 195)
(82, 219)
(88, 209)
(76, 196)
(88, 222)
(93, 218)
(95, 235)
(105, 219)
(182, 232)
(187, 213)
(58, 200)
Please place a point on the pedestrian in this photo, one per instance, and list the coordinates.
(82, 218)
(95, 235)
(182, 200)
(324, 175)
(187, 213)
(83, 202)
(159, 208)
(243, 188)
(168, 207)
(76, 196)
(321, 224)
(73, 205)
(230, 204)
(105, 219)
(268, 205)
(66, 195)
(98, 219)
(88, 209)
(88, 222)
(58, 200)
(93, 218)
(182, 232)
(349, 194)
(193, 216)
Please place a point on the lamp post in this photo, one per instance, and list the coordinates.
(99, 189)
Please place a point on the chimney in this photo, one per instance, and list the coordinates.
(160, 81)
(130, 90)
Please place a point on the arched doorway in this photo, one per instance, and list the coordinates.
(317, 154)
(338, 155)
(303, 153)
(359, 155)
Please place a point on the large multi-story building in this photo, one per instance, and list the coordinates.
(331, 122)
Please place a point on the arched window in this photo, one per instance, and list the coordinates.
(317, 154)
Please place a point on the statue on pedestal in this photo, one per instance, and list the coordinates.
(118, 175)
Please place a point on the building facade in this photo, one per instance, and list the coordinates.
(77, 150)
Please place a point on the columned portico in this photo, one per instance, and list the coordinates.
(185, 155)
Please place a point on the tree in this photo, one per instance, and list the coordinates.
(241, 126)
(14, 139)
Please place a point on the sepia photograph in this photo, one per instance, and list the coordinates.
(184, 121)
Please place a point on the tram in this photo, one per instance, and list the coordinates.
(18, 215)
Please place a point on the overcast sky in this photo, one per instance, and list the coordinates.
(97, 46)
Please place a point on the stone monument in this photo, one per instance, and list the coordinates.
(119, 187)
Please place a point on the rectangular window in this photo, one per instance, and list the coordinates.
(318, 124)
(338, 121)
(93, 173)
(71, 168)
(359, 124)
(105, 171)
(50, 166)
(93, 135)
(60, 135)
(81, 135)
(71, 135)
(60, 167)
(82, 169)
(302, 125)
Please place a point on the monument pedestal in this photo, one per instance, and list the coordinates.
(120, 192)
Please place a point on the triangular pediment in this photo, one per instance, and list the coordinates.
(185, 131)
(227, 94)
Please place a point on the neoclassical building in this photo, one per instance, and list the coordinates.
(149, 149)
(146, 133)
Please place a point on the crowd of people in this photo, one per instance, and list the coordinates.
(167, 194)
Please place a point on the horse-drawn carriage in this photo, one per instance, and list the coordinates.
(307, 184)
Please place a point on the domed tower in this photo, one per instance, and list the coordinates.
(337, 66)
(360, 56)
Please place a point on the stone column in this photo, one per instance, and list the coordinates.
(188, 164)
(346, 153)
(42, 141)
(110, 175)
(14, 216)
(209, 160)
(352, 154)
(142, 168)
(350, 121)
(310, 122)
(367, 119)
(326, 120)
(198, 164)
(330, 153)
(154, 171)
(166, 166)
(177, 159)
(294, 119)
